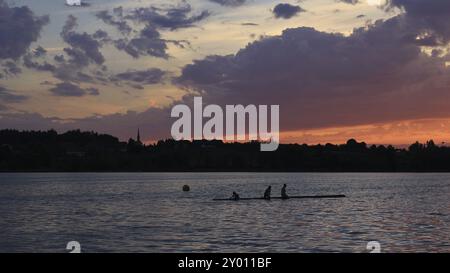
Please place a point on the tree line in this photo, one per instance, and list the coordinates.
(78, 151)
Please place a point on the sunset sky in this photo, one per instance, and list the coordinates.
(374, 70)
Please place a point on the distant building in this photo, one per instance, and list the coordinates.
(138, 138)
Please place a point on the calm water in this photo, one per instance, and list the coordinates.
(146, 212)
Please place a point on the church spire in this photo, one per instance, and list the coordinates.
(138, 136)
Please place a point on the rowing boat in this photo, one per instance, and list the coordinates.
(290, 197)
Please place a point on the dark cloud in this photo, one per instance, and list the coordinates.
(46, 83)
(59, 58)
(82, 42)
(323, 79)
(39, 52)
(83, 77)
(351, 2)
(109, 19)
(92, 91)
(88, 45)
(29, 62)
(118, 11)
(11, 68)
(8, 96)
(70, 25)
(427, 21)
(232, 3)
(67, 89)
(141, 77)
(286, 11)
(172, 18)
(77, 57)
(101, 36)
(422, 7)
(69, 73)
(148, 43)
(167, 17)
(82, 53)
(34, 60)
(19, 27)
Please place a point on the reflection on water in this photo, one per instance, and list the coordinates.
(144, 212)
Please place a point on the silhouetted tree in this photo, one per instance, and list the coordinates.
(89, 151)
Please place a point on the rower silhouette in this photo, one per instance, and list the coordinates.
(283, 192)
(235, 196)
(267, 193)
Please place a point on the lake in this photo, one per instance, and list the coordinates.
(149, 212)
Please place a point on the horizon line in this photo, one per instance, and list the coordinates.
(152, 142)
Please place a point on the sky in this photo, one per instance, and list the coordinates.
(374, 70)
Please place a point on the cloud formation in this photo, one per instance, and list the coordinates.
(351, 2)
(8, 96)
(30, 62)
(426, 22)
(231, 3)
(19, 27)
(67, 89)
(121, 25)
(83, 50)
(10, 68)
(82, 60)
(143, 77)
(286, 11)
(172, 18)
(148, 40)
(377, 74)
(147, 43)
(81, 43)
